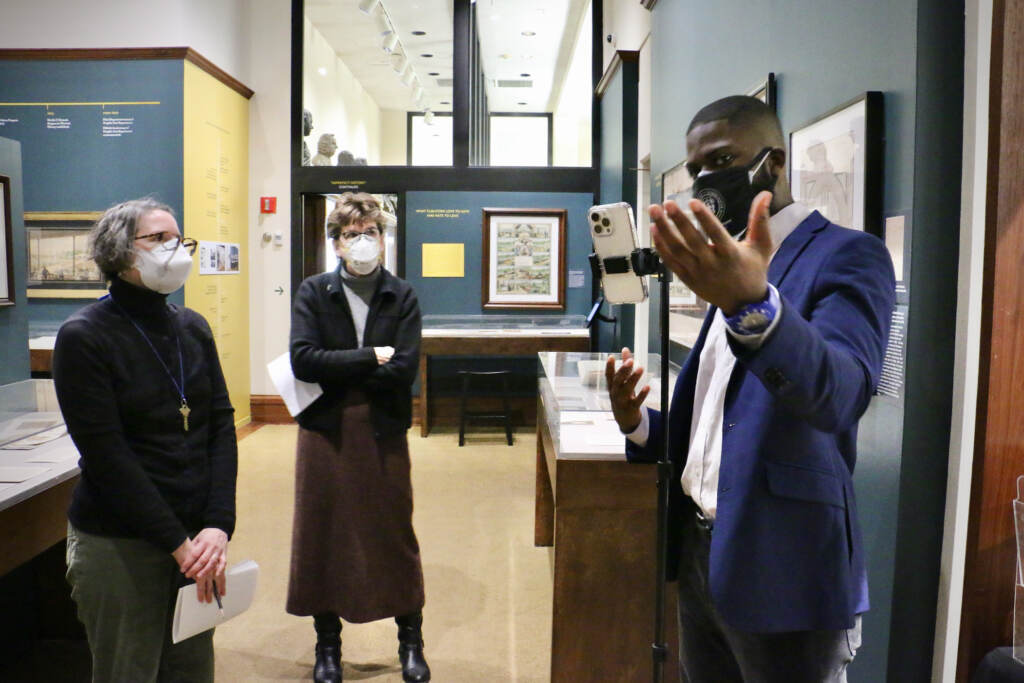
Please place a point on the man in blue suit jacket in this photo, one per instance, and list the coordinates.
(762, 428)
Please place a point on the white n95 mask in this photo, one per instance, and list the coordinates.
(165, 268)
(363, 254)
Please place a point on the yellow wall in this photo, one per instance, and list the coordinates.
(216, 129)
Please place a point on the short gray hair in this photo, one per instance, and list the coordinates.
(112, 240)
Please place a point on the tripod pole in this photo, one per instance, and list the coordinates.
(659, 648)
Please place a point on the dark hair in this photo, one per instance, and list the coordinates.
(112, 239)
(354, 207)
(740, 110)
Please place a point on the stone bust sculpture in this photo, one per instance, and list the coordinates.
(307, 128)
(325, 149)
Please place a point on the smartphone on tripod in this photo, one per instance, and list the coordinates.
(613, 232)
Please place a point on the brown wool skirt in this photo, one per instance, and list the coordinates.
(354, 551)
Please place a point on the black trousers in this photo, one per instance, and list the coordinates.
(710, 651)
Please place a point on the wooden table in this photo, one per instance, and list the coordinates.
(33, 513)
(499, 342)
(40, 350)
(600, 515)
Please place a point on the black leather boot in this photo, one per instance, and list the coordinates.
(410, 648)
(328, 648)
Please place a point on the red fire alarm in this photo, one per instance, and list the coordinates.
(268, 204)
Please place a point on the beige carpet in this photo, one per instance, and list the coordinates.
(488, 611)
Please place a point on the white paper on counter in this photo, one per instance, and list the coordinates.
(16, 475)
(192, 617)
(297, 394)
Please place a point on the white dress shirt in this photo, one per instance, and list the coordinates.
(700, 476)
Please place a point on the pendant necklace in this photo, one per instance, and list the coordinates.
(183, 409)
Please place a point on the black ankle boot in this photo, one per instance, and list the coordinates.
(328, 664)
(410, 648)
(328, 648)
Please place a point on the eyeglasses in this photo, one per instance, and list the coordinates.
(163, 243)
(372, 231)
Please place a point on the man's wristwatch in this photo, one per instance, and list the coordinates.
(754, 318)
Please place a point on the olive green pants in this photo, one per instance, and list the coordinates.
(125, 590)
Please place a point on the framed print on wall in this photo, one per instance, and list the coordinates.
(523, 258)
(836, 164)
(59, 260)
(765, 91)
(6, 244)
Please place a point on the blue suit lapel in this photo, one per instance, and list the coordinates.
(794, 245)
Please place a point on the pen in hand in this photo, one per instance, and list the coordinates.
(216, 596)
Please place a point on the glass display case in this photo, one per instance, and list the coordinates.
(576, 407)
(504, 324)
(29, 414)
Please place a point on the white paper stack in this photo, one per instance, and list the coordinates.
(192, 617)
(297, 394)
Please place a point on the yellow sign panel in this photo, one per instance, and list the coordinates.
(216, 128)
(444, 260)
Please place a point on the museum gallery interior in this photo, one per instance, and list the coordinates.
(485, 130)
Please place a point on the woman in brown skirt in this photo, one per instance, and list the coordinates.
(356, 332)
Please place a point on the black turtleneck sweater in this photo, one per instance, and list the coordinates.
(143, 475)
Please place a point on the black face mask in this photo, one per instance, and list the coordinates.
(729, 193)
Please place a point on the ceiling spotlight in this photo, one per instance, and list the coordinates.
(366, 6)
(525, 75)
(521, 104)
(408, 74)
(426, 55)
(398, 62)
(419, 33)
(428, 117)
(322, 71)
(389, 42)
(417, 94)
(529, 34)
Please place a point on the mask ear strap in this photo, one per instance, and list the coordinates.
(765, 153)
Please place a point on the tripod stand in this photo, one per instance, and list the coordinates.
(645, 261)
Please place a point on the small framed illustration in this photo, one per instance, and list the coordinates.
(524, 258)
(765, 91)
(836, 163)
(59, 262)
(6, 244)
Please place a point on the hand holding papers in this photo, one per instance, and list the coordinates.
(192, 617)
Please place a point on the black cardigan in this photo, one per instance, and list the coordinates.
(324, 349)
(143, 476)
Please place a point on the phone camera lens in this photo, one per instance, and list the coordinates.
(605, 222)
(598, 229)
(595, 217)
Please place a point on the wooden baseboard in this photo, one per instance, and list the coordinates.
(270, 409)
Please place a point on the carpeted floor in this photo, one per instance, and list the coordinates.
(488, 612)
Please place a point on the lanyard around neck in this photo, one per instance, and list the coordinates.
(180, 387)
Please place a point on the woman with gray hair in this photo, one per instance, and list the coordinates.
(142, 393)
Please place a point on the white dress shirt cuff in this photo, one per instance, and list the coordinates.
(642, 431)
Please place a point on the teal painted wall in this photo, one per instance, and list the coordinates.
(79, 168)
(14, 319)
(463, 295)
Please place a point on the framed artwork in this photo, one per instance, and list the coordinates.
(524, 258)
(59, 263)
(836, 163)
(6, 244)
(765, 91)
